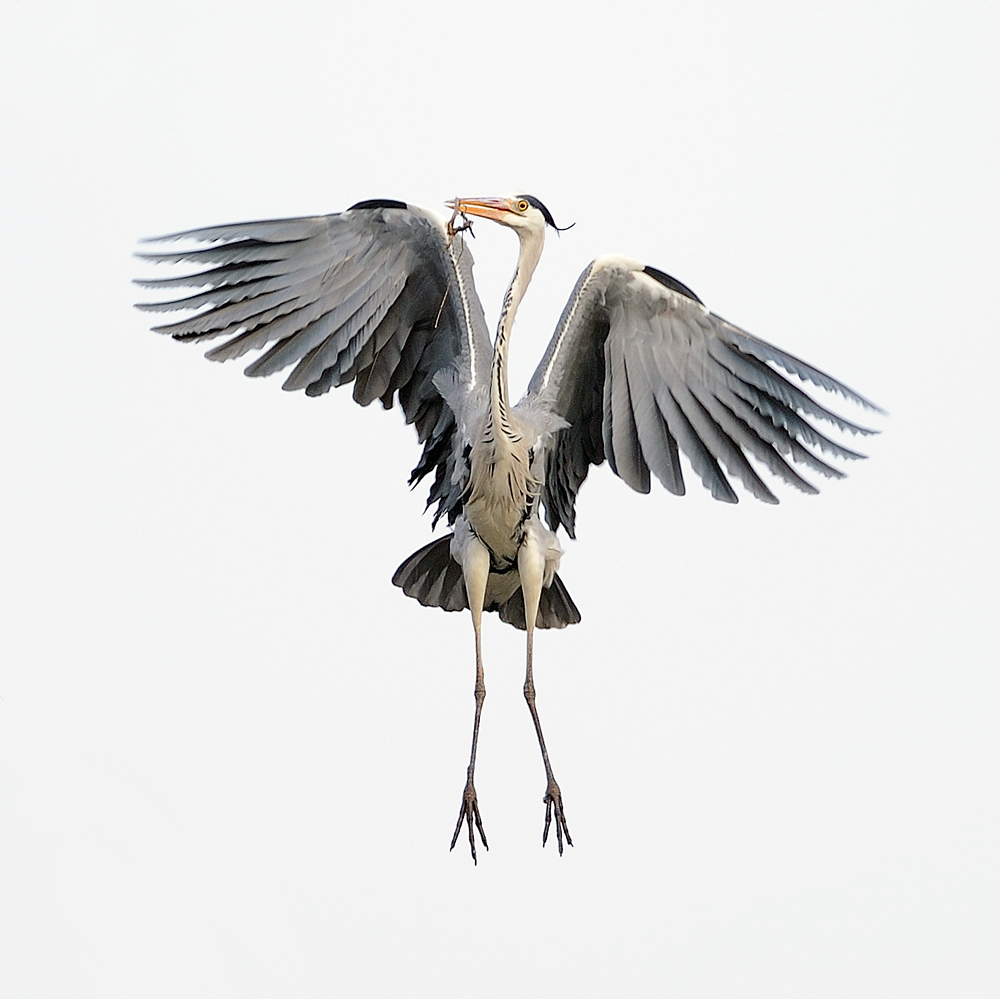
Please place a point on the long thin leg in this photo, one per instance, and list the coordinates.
(476, 569)
(531, 568)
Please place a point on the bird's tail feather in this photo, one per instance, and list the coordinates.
(433, 577)
(555, 608)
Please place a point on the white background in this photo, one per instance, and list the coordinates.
(232, 753)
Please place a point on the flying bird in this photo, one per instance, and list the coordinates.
(637, 371)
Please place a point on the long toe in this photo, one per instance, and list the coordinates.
(468, 814)
(554, 806)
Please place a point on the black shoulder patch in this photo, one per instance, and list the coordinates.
(672, 283)
(378, 203)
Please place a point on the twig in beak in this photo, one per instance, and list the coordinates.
(465, 226)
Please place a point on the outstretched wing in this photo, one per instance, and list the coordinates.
(378, 295)
(639, 369)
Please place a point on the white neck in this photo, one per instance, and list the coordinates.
(532, 242)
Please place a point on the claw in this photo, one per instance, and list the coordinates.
(468, 813)
(553, 797)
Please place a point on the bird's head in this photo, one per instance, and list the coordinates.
(521, 212)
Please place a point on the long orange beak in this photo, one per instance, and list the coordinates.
(487, 208)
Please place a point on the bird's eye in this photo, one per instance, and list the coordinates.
(522, 206)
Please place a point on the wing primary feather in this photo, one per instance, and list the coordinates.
(722, 446)
(777, 436)
(277, 230)
(620, 434)
(337, 324)
(326, 353)
(799, 428)
(746, 437)
(297, 305)
(764, 351)
(250, 312)
(348, 353)
(213, 296)
(217, 277)
(243, 250)
(757, 373)
(701, 458)
(659, 447)
(373, 382)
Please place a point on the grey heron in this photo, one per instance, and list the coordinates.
(637, 371)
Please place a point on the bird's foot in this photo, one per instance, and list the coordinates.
(467, 813)
(553, 802)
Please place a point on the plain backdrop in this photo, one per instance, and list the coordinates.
(232, 753)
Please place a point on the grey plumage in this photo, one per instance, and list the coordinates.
(674, 376)
(369, 295)
(637, 372)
